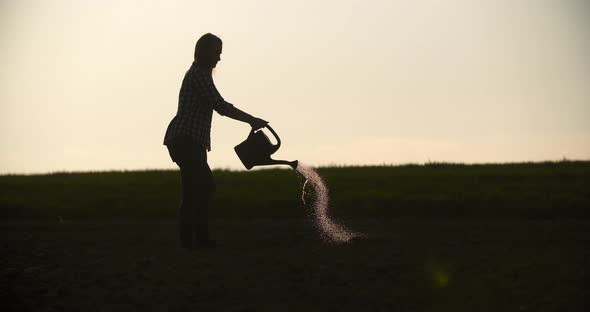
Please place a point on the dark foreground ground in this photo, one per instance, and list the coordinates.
(270, 265)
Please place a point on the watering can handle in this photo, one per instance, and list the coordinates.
(276, 137)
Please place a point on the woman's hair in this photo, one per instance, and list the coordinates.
(206, 50)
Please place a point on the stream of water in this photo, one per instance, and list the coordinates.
(331, 230)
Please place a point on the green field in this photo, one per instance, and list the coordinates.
(440, 237)
(525, 190)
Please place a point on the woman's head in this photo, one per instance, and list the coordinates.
(208, 50)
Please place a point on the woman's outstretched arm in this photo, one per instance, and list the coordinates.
(237, 114)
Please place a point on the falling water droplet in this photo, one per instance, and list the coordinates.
(303, 191)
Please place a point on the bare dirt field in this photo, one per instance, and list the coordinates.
(281, 265)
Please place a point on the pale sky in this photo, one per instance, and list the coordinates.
(92, 85)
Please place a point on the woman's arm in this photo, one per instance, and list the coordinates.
(207, 89)
(237, 114)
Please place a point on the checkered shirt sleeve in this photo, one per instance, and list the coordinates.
(207, 90)
(197, 99)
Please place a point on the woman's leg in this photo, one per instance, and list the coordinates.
(197, 188)
(204, 190)
(188, 202)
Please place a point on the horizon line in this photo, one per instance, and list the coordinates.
(427, 163)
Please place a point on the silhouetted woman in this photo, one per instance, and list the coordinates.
(188, 140)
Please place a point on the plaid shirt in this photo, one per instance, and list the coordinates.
(196, 102)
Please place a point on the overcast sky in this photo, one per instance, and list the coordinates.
(92, 85)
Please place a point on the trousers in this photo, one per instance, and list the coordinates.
(197, 188)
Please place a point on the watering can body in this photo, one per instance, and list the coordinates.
(257, 149)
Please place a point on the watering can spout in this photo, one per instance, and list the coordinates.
(293, 163)
(257, 149)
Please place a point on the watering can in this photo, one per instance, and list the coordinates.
(257, 149)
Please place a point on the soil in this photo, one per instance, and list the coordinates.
(282, 265)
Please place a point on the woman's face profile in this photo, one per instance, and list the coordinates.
(217, 55)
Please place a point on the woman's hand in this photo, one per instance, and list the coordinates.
(257, 123)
